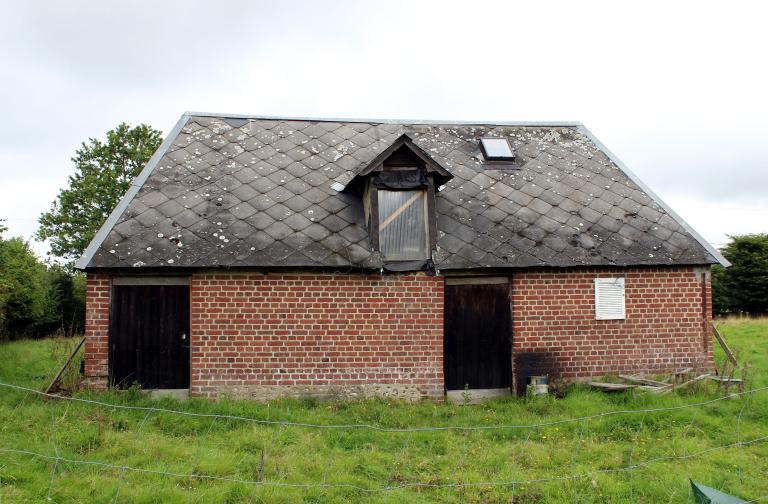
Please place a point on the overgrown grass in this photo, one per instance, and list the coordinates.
(370, 459)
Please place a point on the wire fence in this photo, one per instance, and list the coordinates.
(381, 428)
(58, 460)
(191, 475)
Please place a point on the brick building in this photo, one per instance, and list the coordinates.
(261, 257)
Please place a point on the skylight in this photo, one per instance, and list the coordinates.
(496, 149)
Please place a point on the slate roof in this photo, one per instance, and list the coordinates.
(227, 191)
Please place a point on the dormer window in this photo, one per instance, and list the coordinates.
(403, 225)
(399, 202)
(497, 149)
(398, 196)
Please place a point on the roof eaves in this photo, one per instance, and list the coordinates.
(565, 124)
(136, 184)
(704, 243)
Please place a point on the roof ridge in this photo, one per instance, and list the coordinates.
(436, 122)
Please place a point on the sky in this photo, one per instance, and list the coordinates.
(677, 90)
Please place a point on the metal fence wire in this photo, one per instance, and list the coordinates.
(208, 420)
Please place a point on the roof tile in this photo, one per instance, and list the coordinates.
(256, 192)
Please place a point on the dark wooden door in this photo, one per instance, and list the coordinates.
(149, 336)
(477, 336)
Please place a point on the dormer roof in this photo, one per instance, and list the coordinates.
(405, 142)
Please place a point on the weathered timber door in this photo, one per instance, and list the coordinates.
(477, 335)
(149, 336)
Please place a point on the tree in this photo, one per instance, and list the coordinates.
(66, 301)
(5, 288)
(37, 299)
(742, 288)
(103, 173)
(23, 288)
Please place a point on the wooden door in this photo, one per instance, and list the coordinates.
(149, 336)
(477, 336)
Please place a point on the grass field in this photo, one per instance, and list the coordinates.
(667, 447)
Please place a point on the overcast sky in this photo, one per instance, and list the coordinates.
(677, 90)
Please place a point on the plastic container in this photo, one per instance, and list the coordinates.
(538, 385)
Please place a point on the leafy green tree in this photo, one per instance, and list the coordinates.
(722, 304)
(103, 173)
(5, 288)
(23, 288)
(37, 299)
(742, 288)
(66, 300)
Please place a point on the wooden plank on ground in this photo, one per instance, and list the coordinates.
(686, 383)
(725, 379)
(655, 390)
(611, 387)
(642, 380)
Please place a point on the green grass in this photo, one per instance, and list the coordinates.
(369, 459)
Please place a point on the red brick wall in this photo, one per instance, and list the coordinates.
(252, 332)
(97, 330)
(666, 325)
